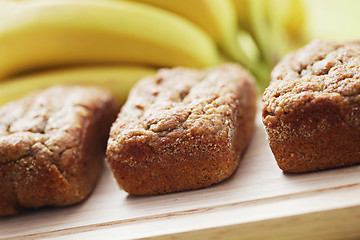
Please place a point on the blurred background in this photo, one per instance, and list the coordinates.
(114, 43)
(332, 19)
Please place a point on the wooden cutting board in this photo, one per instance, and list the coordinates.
(258, 202)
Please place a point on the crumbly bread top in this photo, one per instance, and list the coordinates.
(321, 71)
(179, 100)
(47, 123)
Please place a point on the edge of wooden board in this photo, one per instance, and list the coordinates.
(330, 213)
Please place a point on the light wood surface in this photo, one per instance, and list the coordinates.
(258, 202)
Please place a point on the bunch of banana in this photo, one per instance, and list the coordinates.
(44, 42)
(45, 34)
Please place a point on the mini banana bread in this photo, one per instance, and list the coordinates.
(52, 145)
(311, 110)
(182, 129)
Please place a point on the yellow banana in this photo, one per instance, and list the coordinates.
(242, 10)
(295, 22)
(117, 79)
(287, 21)
(216, 17)
(37, 34)
(260, 26)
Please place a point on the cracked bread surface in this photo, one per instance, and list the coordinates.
(182, 129)
(52, 145)
(311, 108)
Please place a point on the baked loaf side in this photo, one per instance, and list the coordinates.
(52, 145)
(311, 109)
(182, 129)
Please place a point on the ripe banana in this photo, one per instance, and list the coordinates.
(38, 34)
(295, 22)
(287, 21)
(242, 10)
(216, 17)
(117, 79)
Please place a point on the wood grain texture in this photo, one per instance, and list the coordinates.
(259, 201)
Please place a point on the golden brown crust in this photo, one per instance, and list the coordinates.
(52, 146)
(182, 129)
(311, 108)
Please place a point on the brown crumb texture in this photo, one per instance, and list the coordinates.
(182, 129)
(52, 145)
(311, 109)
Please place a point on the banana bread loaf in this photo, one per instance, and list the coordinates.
(182, 129)
(52, 145)
(311, 110)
